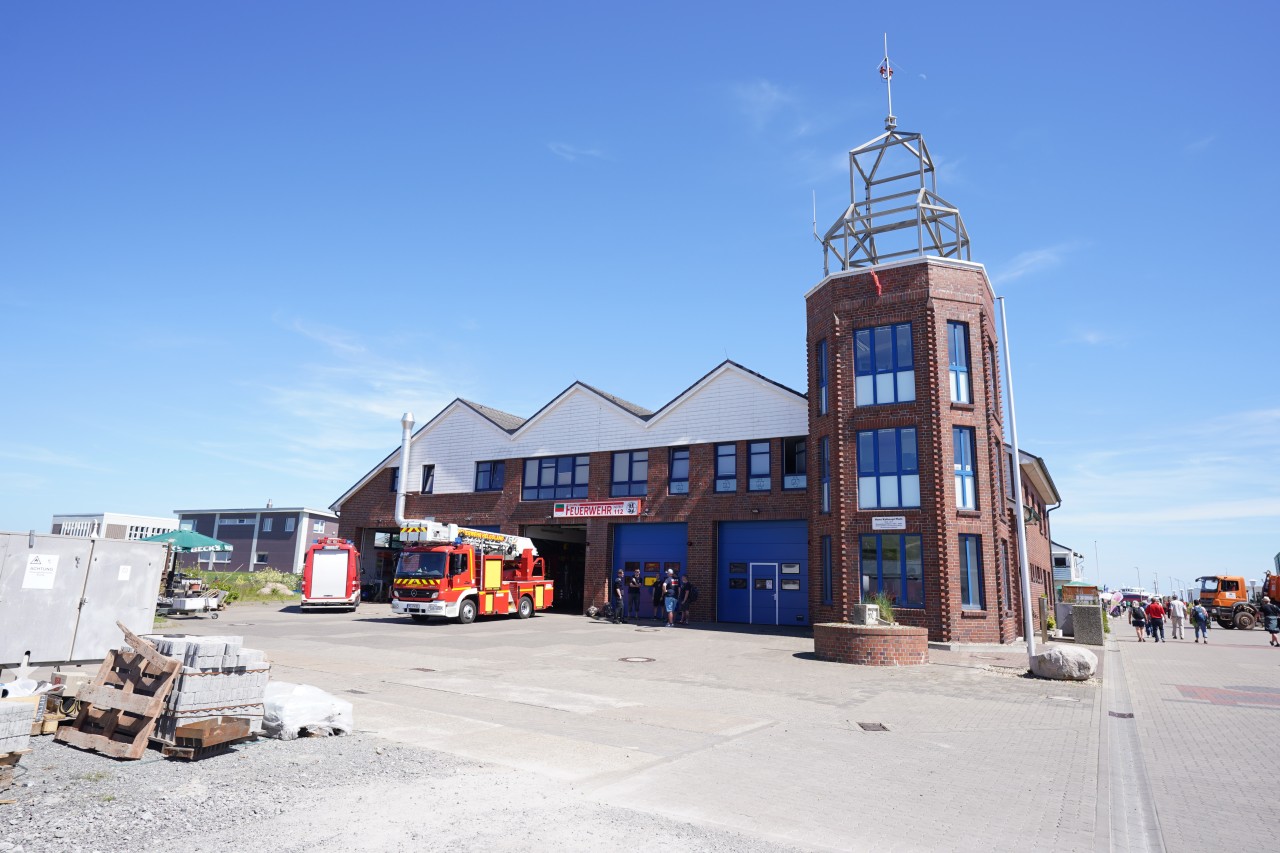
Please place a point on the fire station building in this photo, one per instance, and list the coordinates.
(889, 474)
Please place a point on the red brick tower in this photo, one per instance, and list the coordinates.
(905, 433)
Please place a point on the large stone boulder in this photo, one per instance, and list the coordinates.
(1065, 664)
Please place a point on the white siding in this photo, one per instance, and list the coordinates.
(730, 405)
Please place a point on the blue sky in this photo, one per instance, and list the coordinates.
(237, 240)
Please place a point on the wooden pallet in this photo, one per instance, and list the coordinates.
(119, 708)
(8, 762)
(208, 737)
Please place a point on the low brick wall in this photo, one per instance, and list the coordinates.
(871, 645)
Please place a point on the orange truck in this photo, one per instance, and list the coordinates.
(1226, 597)
(459, 573)
(331, 575)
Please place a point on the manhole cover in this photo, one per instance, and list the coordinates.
(359, 692)
(647, 630)
(238, 625)
(422, 669)
(1062, 698)
(636, 660)
(873, 727)
(1121, 714)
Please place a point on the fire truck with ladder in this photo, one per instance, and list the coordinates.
(461, 573)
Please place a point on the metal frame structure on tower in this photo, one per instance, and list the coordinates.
(894, 199)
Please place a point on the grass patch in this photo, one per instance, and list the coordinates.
(245, 586)
(885, 603)
(94, 776)
(108, 798)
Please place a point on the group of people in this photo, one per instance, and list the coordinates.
(673, 595)
(1147, 619)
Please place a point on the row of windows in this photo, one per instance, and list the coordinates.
(884, 366)
(561, 477)
(892, 564)
(888, 471)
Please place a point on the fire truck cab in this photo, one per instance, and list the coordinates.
(459, 573)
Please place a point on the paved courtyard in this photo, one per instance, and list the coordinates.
(565, 732)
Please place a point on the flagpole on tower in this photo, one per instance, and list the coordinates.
(886, 74)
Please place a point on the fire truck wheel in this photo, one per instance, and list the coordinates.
(1244, 620)
(526, 607)
(467, 612)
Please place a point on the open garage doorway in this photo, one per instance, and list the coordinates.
(563, 547)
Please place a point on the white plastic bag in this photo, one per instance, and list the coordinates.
(292, 709)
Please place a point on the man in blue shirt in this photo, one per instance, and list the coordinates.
(671, 596)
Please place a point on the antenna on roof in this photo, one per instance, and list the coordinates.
(886, 74)
(815, 217)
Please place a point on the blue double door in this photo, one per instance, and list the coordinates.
(763, 572)
(650, 549)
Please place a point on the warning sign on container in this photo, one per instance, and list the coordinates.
(41, 569)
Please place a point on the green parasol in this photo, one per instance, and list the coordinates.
(190, 542)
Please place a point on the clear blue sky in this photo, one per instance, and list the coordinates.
(238, 239)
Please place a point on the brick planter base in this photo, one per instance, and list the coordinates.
(871, 645)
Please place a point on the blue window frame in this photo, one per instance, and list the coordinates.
(678, 481)
(883, 366)
(971, 572)
(826, 473)
(395, 478)
(758, 475)
(958, 361)
(822, 376)
(962, 451)
(428, 479)
(892, 564)
(888, 469)
(726, 468)
(490, 476)
(826, 570)
(630, 474)
(795, 463)
(555, 477)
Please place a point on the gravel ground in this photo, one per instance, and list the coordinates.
(341, 793)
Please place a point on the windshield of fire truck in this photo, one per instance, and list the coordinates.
(421, 564)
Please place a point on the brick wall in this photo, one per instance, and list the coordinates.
(701, 509)
(870, 645)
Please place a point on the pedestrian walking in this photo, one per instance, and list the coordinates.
(1271, 619)
(671, 596)
(1200, 622)
(1155, 615)
(1177, 616)
(633, 594)
(620, 598)
(1138, 619)
(688, 595)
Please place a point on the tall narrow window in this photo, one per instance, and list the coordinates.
(822, 376)
(970, 572)
(883, 365)
(555, 477)
(962, 450)
(826, 474)
(888, 470)
(795, 463)
(726, 467)
(758, 479)
(826, 570)
(289, 524)
(428, 479)
(678, 483)
(490, 476)
(958, 361)
(266, 524)
(395, 479)
(630, 474)
(892, 565)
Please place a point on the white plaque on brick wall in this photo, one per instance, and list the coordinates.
(889, 522)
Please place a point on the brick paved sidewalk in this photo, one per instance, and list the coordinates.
(1207, 717)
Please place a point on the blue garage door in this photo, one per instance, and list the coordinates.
(650, 549)
(763, 572)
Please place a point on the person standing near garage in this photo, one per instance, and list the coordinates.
(688, 595)
(671, 596)
(634, 583)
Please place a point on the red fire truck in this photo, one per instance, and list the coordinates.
(459, 573)
(331, 575)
